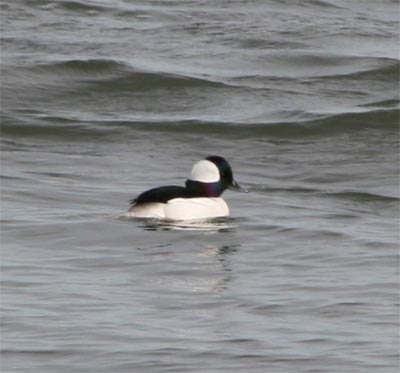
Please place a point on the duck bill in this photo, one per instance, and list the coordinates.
(235, 186)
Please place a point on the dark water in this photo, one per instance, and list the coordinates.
(102, 100)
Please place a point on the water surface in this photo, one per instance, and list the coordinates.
(101, 102)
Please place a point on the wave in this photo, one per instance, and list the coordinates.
(311, 4)
(386, 69)
(382, 120)
(68, 5)
(313, 67)
(364, 197)
(351, 195)
(84, 66)
(64, 86)
(116, 75)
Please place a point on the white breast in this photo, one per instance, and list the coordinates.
(196, 208)
(182, 209)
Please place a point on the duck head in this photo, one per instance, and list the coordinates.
(211, 176)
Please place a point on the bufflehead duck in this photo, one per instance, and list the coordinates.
(199, 199)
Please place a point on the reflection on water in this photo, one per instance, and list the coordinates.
(209, 225)
(208, 271)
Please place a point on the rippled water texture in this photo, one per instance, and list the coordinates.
(102, 100)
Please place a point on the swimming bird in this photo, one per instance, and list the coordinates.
(199, 199)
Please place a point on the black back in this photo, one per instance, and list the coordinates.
(161, 194)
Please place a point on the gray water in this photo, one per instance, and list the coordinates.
(102, 100)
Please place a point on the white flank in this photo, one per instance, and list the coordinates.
(151, 210)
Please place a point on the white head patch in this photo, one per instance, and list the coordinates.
(205, 172)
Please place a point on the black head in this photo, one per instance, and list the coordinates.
(225, 171)
(212, 178)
